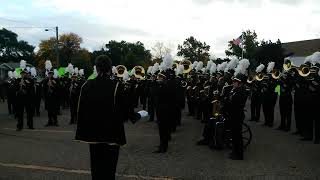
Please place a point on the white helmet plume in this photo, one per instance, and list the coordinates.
(199, 66)
(33, 72)
(213, 68)
(10, 74)
(270, 67)
(260, 68)
(23, 64)
(48, 65)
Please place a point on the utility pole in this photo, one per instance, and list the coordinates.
(57, 46)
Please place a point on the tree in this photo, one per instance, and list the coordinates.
(13, 50)
(194, 50)
(126, 53)
(269, 51)
(69, 45)
(249, 46)
(159, 50)
(82, 60)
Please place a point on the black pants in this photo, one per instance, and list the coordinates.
(268, 111)
(285, 112)
(299, 115)
(236, 133)
(20, 113)
(104, 159)
(191, 106)
(73, 110)
(11, 106)
(255, 108)
(164, 133)
(151, 109)
(37, 105)
(52, 117)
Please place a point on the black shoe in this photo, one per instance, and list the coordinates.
(31, 128)
(280, 128)
(202, 142)
(296, 133)
(306, 139)
(19, 129)
(57, 125)
(316, 142)
(287, 129)
(235, 158)
(160, 151)
(252, 119)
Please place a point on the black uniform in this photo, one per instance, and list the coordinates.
(151, 85)
(238, 98)
(301, 102)
(11, 95)
(100, 123)
(256, 101)
(52, 103)
(74, 96)
(269, 100)
(285, 103)
(38, 96)
(165, 109)
(24, 95)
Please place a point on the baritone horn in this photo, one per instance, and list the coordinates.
(120, 70)
(275, 74)
(139, 72)
(259, 76)
(187, 66)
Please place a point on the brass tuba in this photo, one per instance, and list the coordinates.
(187, 66)
(139, 72)
(304, 70)
(276, 74)
(259, 76)
(120, 70)
(287, 65)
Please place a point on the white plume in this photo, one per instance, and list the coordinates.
(114, 70)
(33, 72)
(232, 64)
(15, 75)
(260, 68)
(28, 69)
(48, 65)
(199, 66)
(179, 69)
(69, 69)
(149, 70)
(167, 61)
(315, 58)
(55, 73)
(23, 64)
(95, 71)
(162, 67)
(76, 71)
(81, 72)
(194, 64)
(270, 67)
(155, 68)
(10, 74)
(213, 68)
(209, 64)
(203, 70)
(222, 66)
(133, 71)
(125, 76)
(242, 67)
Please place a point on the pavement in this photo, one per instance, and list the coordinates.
(50, 153)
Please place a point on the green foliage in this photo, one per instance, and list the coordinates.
(194, 50)
(269, 51)
(13, 50)
(82, 60)
(125, 53)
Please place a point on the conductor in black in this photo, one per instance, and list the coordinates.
(100, 121)
(238, 98)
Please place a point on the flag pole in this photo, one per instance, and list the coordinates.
(242, 45)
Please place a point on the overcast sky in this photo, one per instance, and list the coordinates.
(170, 21)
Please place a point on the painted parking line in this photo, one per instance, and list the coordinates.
(65, 131)
(76, 171)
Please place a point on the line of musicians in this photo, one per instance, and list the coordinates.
(26, 90)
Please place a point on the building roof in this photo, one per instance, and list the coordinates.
(302, 48)
(12, 65)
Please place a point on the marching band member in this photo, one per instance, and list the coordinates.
(50, 88)
(256, 96)
(24, 95)
(74, 92)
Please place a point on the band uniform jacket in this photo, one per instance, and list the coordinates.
(100, 112)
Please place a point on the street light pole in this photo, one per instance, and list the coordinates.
(57, 46)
